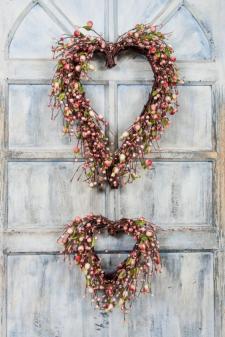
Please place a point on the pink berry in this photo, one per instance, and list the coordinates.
(137, 127)
(82, 58)
(108, 163)
(67, 66)
(132, 287)
(148, 162)
(142, 246)
(149, 233)
(81, 248)
(76, 149)
(70, 230)
(89, 24)
(78, 68)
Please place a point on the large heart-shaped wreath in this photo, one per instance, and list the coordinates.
(74, 54)
(131, 277)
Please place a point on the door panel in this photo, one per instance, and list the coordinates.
(29, 122)
(41, 194)
(45, 296)
(41, 295)
(191, 128)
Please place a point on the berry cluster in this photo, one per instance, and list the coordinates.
(74, 54)
(131, 277)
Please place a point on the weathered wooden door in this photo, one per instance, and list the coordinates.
(184, 193)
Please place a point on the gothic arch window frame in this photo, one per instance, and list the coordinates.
(171, 9)
(20, 19)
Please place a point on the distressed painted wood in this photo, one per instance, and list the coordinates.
(135, 13)
(80, 12)
(42, 70)
(42, 296)
(182, 304)
(172, 193)
(30, 123)
(42, 194)
(172, 200)
(191, 127)
(36, 41)
(196, 46)
(33, 241)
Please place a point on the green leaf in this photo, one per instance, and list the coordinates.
(149, 36)
(130, 261)
(61, 96)
(154, 93)
(134, 271)
(139, 27)
(59, 66)
(167, 52)
(164, 121)
(143, 164)
(140, 222)
(122, 274)
(93, 242)
(144, 238)
(81, 88)
(78, 135)
(160, 35)
(86, 27)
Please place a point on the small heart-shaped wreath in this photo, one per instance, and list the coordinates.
(74, 54)
(132, 276)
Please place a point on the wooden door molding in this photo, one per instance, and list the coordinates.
(192, 235)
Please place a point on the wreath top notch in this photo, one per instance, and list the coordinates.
(74, 54)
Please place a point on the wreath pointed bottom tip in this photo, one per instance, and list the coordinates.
(131, 277)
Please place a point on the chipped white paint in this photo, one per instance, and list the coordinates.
(46, 294)
(42, 296)
(191, 127)
(136, 13)
(30, 123)
(171, 193)
(189, 40)
(41, 194)
(38, 40)
(79, 12)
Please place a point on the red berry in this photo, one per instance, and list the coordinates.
(173, 111)
(76, 33)
(78, 258)
(152, 50)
